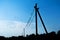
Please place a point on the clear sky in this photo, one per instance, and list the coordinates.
(14, 15)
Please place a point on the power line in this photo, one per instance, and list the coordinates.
(28, 21)
(31, 20)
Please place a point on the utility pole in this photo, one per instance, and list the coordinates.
(36, 18)
(37, 11)
(42, 23)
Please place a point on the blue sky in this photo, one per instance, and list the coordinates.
(15, 13)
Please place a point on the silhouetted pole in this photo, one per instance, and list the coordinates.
(42, 22)
(37, 11)
(36, 18)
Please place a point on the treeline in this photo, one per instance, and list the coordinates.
(49, 36)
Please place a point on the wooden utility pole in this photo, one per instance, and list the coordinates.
(42, 23)
(36, 18)
(37, 12)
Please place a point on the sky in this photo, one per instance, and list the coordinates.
(14, 15)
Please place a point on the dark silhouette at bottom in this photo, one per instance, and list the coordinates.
(49, 36)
